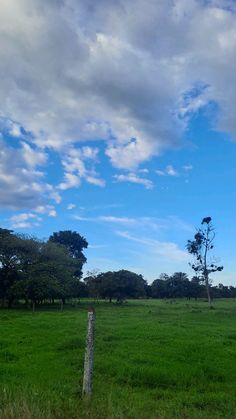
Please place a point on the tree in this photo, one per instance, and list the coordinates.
(174, 286)
(120, 285)
(16, 253)
(178, 285)
(201, 248)
(159, 288)
(49, 276)
(74, 243)
(197, 289)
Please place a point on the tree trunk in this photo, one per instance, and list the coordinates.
(208, 292)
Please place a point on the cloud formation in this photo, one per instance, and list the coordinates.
(168, 171)
(167, 250)
(75, 166)
(25, 220)
(130, 73)
(21, 183)
(134, 178)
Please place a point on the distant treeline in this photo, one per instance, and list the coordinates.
(125, 284)
(36, 271)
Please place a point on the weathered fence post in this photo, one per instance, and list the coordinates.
(88, 359)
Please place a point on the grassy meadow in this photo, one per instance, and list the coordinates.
(153, 359)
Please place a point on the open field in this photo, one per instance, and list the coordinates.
(153, 359)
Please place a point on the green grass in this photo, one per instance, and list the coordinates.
(153, 359)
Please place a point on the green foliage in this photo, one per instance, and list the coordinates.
(74, 243)
(119, 285)
(35, 270)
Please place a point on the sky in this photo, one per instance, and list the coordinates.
(117, 120)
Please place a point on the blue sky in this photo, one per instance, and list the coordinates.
(117, 120)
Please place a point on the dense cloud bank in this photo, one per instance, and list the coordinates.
(129, 73)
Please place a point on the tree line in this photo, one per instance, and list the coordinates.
(35, 271)
(125, 284)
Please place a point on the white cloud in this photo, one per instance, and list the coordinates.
(46, 209)
(55, 196)
(81, 218)
(167, 250)
(71, 206)
(25, 220)
(144, 171)
(188, 167)
(107, 219)
(124, 72)
(168, 171)
(70, 181)
(15, 130)
(119, 220)
(171, 171)
(95, 181)
(79, 164)
(160, 173)
(90, 152)
(33, 157)
(21, 184)
(52, 213)
(169, 223)
(133, 178)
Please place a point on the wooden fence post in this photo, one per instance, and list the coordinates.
(88, 359)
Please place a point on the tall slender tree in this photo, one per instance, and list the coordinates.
(201, 247)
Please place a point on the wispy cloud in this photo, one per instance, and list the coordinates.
(188, 167)
(25, 220)
(168, 250)
(107, 219)
(71, 206)
(134, 178)
(169, 223)
(168, 171)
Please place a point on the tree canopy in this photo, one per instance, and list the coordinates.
(34, 270)
(119, 285)
(74, 243)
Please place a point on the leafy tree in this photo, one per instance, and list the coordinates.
(119, 285)
(159, 288)
(51, 276)
(197, 290)
(201, 248)
(74, 243)
(174, 286)
(16, 252)
(92, 281)
(179, 285)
